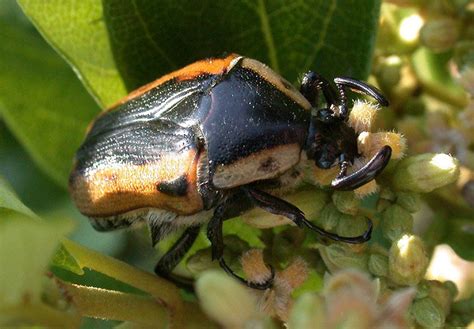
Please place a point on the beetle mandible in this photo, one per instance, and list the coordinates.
(207, 142)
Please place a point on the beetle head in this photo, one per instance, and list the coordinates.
(331, 140)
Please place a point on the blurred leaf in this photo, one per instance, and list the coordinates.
(26, 246)
(78, 32)
(9, 200)
(249, 234)
(314, 283)
(456, 232)
(41, 101)
(433, 71)
(148, 39)
(62, 258)
(461, 237)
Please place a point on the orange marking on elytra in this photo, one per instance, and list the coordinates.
(209, 66)
(121, 188)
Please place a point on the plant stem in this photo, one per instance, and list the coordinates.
(115, 305)
(157, 287)
(40, 314)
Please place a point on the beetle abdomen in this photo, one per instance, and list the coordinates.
(142, 165)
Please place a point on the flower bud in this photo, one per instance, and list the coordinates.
(440, 34)
(378, 265)
(388, 194)
(367, 189)
(254, 267)
(224, 299)
(423, 290)
(396, 221)
(426, 172)
(352, 226)
(322, 177)
(350, 298)
(441, 295)
(394, 311)
(427, 313)
(346, 202)
(370, 143)
(452, 288)
(309, 310)
(329, 217)
(362, 115)
(338, 256)
(201, 261)
(409, 201)
(382, 205)
(407, 261)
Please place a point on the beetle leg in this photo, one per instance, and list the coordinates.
(312, 84)
(214, 233)
(365, 174)
(280, 207)
(173, 256)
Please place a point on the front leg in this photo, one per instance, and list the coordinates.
(280, 207)
(214, 234)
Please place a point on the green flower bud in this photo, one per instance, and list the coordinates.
(351, 225)
(452, 288)
(396, 221)
(201, 261)
(346, 202)
(329, 217)
(407, 260)
(426, 172)
(224, 299)
(338, 256)
(388, 72)
(309, 310)
(441, 295)
(423, 290)
(409, 201)
(383, 204)
(427, 313)
(378, 264)
(388, 194)
(440, 34)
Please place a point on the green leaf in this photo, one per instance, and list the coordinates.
(62, 258)
(433, 71)
(78, 32)
(10, 201)
(150, 38)
(26, 246)
(41, 101)
(461, 237)
(249, 234)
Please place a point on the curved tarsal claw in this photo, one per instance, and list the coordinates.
(259, 286)
(366, 173)
(361, 87)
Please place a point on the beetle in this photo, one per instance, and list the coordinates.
(208, 142)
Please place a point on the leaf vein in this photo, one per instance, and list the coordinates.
(267, 33)
(324, 32)
(149, 36)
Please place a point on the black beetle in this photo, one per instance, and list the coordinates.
(209, 141)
